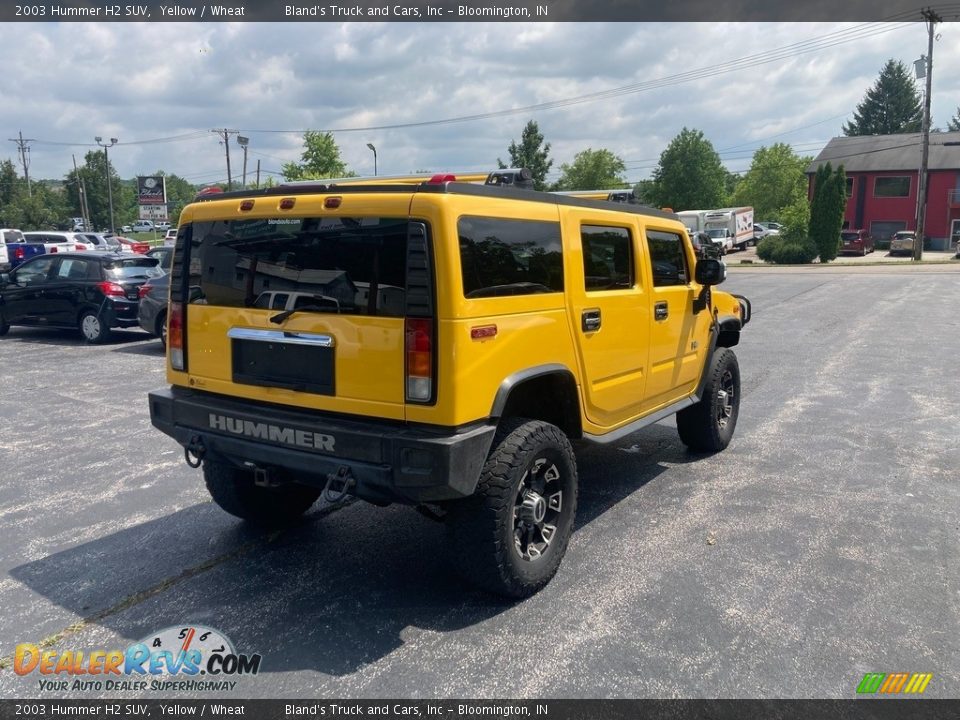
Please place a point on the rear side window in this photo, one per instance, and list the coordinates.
(607, 257)
(12, 236)
(509, 257)
(347, 265)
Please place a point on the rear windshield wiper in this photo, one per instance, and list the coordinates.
(280, 317)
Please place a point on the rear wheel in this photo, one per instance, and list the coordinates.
(708, 426)
(162, 328)
(92, 328)
(233, 489)
(511, 535)
(4, 327)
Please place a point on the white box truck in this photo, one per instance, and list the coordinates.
(729, 228)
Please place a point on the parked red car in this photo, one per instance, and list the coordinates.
(858, 242)
(136, 246)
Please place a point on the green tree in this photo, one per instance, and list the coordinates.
(827, 209)
(9, 186)
(532, 153)
(891, 106)
(592, 170)
(320, 159)
(689, 174)
(954, 123)
(43, 209)
(774, 181)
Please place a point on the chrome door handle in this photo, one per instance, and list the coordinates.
(660, 311)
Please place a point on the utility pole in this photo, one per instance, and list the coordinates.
(243, 142)
(225, 134)
(106, 161)
(23, 147)
(258, 174)
(931, 19)
(82, 191)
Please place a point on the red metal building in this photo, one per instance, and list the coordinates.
(882, 181)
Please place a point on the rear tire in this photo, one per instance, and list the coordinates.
(162, 328)
(4, 328)
(92, 328)
(708, 426)
(233, 489)
(510, 536)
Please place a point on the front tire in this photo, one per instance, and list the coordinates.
(510, 536)
(708, 426)
(92, 328)
(233, 489)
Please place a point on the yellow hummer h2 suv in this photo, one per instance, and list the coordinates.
(436, 342)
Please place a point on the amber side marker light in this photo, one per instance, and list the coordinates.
(246, 205)
(331, 203)
(483, 332)
(287, 203)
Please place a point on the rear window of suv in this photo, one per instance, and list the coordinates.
(347, 265)
(133, 268)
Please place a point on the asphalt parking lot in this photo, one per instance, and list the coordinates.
(822, 545)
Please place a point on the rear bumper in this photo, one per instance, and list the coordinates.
(391, 462)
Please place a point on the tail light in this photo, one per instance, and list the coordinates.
(80, 246)
(112, 289)
(19, 253)
(441, 178)
(52, 250)
(143, 291)
(419, 350)
(175, 334)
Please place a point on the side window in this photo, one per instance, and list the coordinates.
(73, 269)
(607, 258)
(667, 258)
(509, 257)
(33, 272)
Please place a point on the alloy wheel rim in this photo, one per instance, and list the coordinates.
(726, 397)
(537, 508)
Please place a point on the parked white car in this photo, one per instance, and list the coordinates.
(58, 241)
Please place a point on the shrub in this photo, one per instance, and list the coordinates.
(781, 251)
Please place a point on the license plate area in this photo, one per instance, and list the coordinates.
(274, 358)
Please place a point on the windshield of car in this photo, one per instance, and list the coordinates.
(132, 268)
(717, 232)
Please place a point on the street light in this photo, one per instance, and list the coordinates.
(106, 158)
(370, 145)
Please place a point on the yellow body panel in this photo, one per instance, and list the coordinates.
(632, 366)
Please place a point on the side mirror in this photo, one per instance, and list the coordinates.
(710, 271)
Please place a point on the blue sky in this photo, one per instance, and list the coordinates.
(160, 89)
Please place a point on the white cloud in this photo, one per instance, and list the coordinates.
(69, 82)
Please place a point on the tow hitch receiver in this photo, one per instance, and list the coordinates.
(263, 477)
(338, 485)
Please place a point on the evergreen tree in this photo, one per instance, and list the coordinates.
(827, 209)
(954, 123)
(532, 153)
(891, 106)
(689, 175)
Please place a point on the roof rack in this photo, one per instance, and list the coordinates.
(518, 177)
(624, 195)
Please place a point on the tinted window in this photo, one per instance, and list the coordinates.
(607, 257)
(891, 187)
(34, 271)
(667, 258)
(12, 236)
(345, 264)
(74, 269)
(509, 257)
(133, 268)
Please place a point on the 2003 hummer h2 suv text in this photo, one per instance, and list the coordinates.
(437, 342)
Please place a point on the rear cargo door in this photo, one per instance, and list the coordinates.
(304, 310)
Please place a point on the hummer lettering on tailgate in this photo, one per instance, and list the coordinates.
(273, 433)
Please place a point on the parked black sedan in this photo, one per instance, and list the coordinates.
(92, 292)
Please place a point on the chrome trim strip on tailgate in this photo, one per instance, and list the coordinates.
(281, 336)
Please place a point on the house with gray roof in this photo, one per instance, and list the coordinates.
(883, 173)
